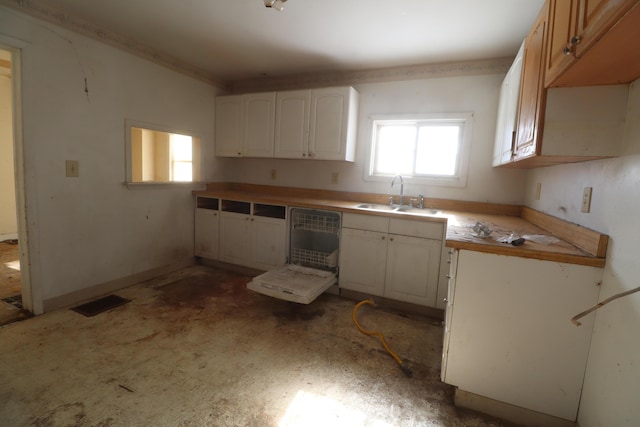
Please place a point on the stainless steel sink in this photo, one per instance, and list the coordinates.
(386, 208)
(397, 208)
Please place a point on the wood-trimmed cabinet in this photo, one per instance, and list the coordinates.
(560, 125)
(592, 42)
(393, 258)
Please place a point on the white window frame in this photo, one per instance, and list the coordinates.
(457, 180)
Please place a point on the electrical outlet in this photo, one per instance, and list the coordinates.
(538, 190)
(335, 177)
(274, 174)
(586, 199)
(73, 168)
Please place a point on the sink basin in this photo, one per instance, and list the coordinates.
(387, 208)
(397, 208)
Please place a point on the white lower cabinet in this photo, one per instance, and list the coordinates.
(250, 239)
(235, 237)
(363, 261)
(206, 233)
(508, 334)
(375, 261)
(412, 269)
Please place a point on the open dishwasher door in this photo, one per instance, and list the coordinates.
(313, 258)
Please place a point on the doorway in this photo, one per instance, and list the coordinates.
(11, 277)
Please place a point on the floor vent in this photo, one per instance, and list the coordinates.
(100, 305)
(15, 300)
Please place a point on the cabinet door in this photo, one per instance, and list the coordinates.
(413, 267)
(508, 111)
(259, 117)
(268, 242)
(235, 237)
(596, 18)
(363, 257)
(206, 233)
(329, 125)
(563, 27)
(510, 325)
(292, 124)
(532, 94)
(229, 124)
(448, 313)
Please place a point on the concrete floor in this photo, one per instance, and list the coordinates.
(196, 348)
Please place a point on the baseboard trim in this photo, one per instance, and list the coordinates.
(8, 236)
(101, 289)
(507, 412)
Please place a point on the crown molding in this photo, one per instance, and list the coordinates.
(346, 78)
(40, 10)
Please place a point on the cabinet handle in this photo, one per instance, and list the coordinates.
(567, 50)
(304, 154)
(575, 40)
(448, 276)
(383, 237)
(391, 239)
(445, 300)
(239, 153)
(448, 261)
(252, 219)
(312, 155)
(246, 219)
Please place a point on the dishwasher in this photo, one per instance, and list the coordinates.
(312, 266)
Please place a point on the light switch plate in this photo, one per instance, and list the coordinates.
(586, 199)
(73, 168)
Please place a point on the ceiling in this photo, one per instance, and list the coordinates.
(234, 40)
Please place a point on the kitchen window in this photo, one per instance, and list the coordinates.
(424, 149)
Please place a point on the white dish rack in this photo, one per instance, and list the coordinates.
(314, 237)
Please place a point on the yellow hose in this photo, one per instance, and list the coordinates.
(377, 334)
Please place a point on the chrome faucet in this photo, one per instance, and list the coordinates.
(401, 189)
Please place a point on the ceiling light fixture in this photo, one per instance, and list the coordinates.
(275, 4)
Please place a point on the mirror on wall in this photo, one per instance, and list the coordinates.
(157, 154)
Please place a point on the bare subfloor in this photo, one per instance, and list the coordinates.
(196, 348)
(10, 280)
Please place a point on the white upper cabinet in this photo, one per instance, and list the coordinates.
(245, 125)
(299, 124)
(292, 124)
(334, 113)
(259, 117)
(229, 123)
(508, 112)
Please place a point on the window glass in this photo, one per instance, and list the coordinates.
(428, 148)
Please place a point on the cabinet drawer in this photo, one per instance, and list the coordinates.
(424, 229)
(365, 222)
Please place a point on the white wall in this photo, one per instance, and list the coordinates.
(8, 223)
(477, 94)
(611, 388)
(90, 230)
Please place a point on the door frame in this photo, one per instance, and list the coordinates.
(31, 295)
